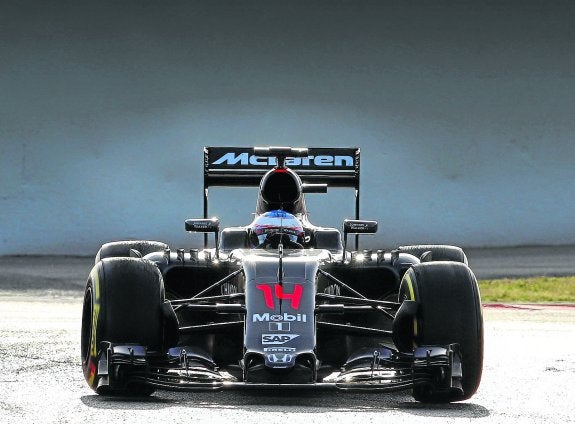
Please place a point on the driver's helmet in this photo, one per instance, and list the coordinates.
(274, 226)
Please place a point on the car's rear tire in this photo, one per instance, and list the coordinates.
(122, 304)
(439, 252)
(449, 311)
(121, 249)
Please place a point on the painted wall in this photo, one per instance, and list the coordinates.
(464, 111)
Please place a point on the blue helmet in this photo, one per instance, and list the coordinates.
(274, 226)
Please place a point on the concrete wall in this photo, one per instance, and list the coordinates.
(464, 112)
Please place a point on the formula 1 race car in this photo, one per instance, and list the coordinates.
(282, 303)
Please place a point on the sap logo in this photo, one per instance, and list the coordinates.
(277, 339)
(278, 318)
(319, 160)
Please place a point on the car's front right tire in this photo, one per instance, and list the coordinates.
(122, 304)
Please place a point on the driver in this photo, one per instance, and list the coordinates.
(273, 227)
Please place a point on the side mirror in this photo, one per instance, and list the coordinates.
(205, 225)
(356, 226)
(198, 225)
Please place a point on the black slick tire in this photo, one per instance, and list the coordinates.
(439, 252)
(121, 249)
(122, 304)
(449, 311)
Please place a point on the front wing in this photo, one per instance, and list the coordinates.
(380, 369)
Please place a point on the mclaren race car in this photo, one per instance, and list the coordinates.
(282, 303)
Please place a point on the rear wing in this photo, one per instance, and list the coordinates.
(245, 166)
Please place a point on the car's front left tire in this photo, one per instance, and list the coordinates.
(448, 311)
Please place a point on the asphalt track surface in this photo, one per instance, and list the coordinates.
(528, 376)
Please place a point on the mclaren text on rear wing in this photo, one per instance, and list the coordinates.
(245, 166)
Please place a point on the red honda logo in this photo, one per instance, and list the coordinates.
(295, 296)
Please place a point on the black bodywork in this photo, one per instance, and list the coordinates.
(318, 317)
